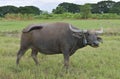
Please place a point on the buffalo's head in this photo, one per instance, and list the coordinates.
(92, 38)
(89, 37)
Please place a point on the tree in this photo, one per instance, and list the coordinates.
(59, 10)
(29, 10)
(8, 9)
(15, 10)
(102, 6)
(115, 8)
(67, 7)
(85, 11)
(94, 8)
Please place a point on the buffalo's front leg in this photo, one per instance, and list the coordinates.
(66, 60)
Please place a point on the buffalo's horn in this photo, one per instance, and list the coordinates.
(99, 31)
(84, 31)
(74, 30)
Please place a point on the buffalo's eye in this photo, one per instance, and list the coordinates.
(98, 38)
(87, 33)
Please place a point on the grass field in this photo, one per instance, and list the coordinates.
(86, 63)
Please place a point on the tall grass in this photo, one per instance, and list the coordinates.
(59, 16)
(105, 16)
(19, 16)
(77, 16)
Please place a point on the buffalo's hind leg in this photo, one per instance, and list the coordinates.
(20, 54)
(34, 55)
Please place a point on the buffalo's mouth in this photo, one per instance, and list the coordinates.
(94, 45)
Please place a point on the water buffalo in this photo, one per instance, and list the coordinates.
(56, 38)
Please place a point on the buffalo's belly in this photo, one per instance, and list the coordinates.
(48, 47)
(49, 50)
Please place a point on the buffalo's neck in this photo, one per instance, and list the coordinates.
(80, 43)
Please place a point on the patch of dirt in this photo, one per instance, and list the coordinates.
(10, 33)
(111, 33)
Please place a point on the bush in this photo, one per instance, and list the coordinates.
(43, 16)
(67, 15)
(77, 16)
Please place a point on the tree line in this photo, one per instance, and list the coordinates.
(99, 8)
(22, 10)
(65, 7)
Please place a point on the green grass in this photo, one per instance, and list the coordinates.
(86, 63)
(12, 25)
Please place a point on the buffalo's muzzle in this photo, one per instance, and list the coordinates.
(95, 44)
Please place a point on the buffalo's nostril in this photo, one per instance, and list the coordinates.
(96, 43)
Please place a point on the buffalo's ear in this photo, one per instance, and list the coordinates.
(77, 35)
(87, 33)
(30, 28)
(100, 39)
